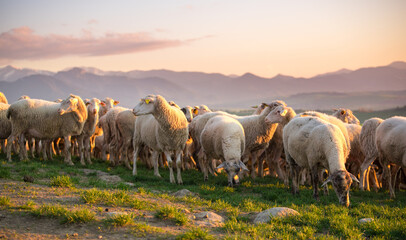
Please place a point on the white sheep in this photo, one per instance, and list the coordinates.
(200, 110)
(46, 120)
(368, 147)
(125, 122)
(162, 128)
(5, 125)
(223, 138)
(390, 141)
(188, 111)
(312, 141)
(88, 130)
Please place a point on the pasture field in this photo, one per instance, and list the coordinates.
(73, 202)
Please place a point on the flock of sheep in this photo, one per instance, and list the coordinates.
(273, 140)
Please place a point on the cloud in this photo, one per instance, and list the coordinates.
(24, 43)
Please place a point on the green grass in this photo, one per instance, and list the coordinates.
(173, 214)
(323, 219)
(121, 220)
(78, 216)
(62, 181)
(5, 201)
(141, 229)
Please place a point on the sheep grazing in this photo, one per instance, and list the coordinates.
(345, 115)
(310, 142)
(368, 147)
(88, 130)
(391, 144)
(223, 138)
(46, 120)
(3, 98)
(162, 128)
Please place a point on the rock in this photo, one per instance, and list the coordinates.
(265, 216)
(129, 184)
(183, 193)
(365, 220)
(110, 178)
(208, 219)
(28, 178)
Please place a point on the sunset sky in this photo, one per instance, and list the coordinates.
(265, 37)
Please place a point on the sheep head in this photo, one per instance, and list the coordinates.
(145, 106)
(93, 106)
(341, 181)
(68, 105)
(232, 168)
(345, 115)
(188, 113)
(277, 115)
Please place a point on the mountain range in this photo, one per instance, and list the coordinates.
(365, 88)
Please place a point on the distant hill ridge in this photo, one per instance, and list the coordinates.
(374, 87)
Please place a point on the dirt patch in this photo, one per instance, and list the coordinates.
(17, 222)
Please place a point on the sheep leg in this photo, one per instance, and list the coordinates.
(81, 150)
(124, 153)
(68, 156)
(373, 178)
(179, 165)
(388, 176)
(44, 149)
(315, 181)
(254, 159)
(136, 151)
(10, 144)
(170, 165)
(155, 159)
(364, 173)
(87, 150)
(261, 166)
(23, 149)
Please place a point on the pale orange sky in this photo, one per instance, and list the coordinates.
(297, 38)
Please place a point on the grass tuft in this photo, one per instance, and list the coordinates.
(121, 220)
(196, 233)
(173, 214)
(78, 216)
(62, 181)
(5, 201)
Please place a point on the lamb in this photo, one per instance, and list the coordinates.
(391, 144)
(3, 98)
(223, 138)
(162, 128)
(88, 130)
(46, 120)
(310, 142)
(368, 147)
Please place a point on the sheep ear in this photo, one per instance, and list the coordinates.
(342, 112)
(183, 110)
(74, 101)
(327, 181)
(242, 166)
(102, 104)
(116, 102)
(284, 112)
(222, 165)
(354, 178)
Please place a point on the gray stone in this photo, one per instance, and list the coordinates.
(129, 184)
(365, 220)
(110, 178)
(265, 216)
(208, 219)
(183, 193)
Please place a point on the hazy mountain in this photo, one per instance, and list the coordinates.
(11, 74)
(375, 87)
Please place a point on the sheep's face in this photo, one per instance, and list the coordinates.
(106, 105)
(232, 169)
(145, 106)
(93, 106)
(68, 105)
(342, 181)
(276, 115)
(346, 116)
(188, 113)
